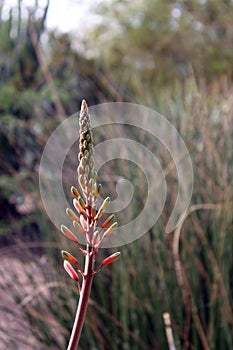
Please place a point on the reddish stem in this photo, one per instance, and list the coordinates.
(83, 300)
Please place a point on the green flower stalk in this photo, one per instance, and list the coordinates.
(85, 223)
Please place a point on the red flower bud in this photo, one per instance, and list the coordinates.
(109, 221)
(110, 259)
(69, 257)
(70, 270)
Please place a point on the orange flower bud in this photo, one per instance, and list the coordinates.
(67, 256)
(110, 259)
(110, 229)
(72, 259)
(70, 270)
(109, 221)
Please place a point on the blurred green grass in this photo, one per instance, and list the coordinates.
(129, 299)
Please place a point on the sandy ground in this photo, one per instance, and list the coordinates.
(16, 333)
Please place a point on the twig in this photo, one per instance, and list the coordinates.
(168, 330)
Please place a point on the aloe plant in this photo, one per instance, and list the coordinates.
(86, 221)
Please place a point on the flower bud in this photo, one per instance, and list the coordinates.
(96, 238)
(67, 256)
(87, 169)
(75, 192)
(81, 202)
(77, 206)
(102, 208)
(110, 259)
(109, 221)
(70, 270)
(83, 222)
(78, 227)
(71, 214)
(93, 210)
(94, 175)
(80, 170)
(90, 185)
(66, 232)
(86, 154)
(91, 162)
(82, 163)
(81, 181)
(110, 229)
(99, 189)
(88, 136)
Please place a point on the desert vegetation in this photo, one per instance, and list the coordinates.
(176, 58)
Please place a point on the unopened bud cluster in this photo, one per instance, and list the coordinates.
(87, 175)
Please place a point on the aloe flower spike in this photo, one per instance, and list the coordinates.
(85, 223)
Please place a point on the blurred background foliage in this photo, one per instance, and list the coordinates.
(175, 57)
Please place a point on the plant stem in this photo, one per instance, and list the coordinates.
(83, 300)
